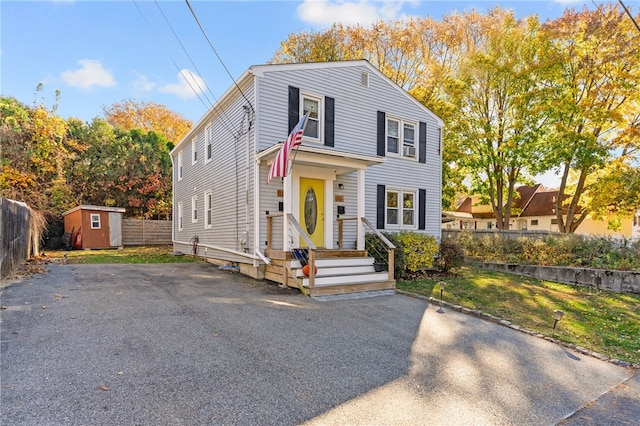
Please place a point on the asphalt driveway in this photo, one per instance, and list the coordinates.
(186, 344)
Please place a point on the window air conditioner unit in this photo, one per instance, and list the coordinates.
(409, 151)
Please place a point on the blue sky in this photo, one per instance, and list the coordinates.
(100, 52)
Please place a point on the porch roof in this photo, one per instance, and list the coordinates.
(340, 162)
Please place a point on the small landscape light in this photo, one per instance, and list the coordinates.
(441, 286)
(557, 316)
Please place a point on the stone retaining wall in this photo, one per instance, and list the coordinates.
(618, 281)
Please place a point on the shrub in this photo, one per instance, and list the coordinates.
(419, 249)
(450, 256)
(379, 251)
(555, 250)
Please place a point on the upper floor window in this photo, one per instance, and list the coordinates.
(401, 137)
(401, 208)
(311, 104)
(208, 144)
(180, 165)
(194, 150)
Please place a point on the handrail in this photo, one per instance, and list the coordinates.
(340, 230)
(378, 233)
(270, 228)
(312, 249)
(392, 248)
(292, 220)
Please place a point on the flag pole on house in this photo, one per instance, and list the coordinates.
(280, 164)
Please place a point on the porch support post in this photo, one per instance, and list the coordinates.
(360, 210)
(286, 190)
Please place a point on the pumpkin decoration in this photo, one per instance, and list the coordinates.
(305, 270)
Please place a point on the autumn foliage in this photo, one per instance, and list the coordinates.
(518, 97)
(54, 164)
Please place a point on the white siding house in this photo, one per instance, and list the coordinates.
(369, 150)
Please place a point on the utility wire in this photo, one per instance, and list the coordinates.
(626, 9)
(221, 113)
(199, 93)
(170, 57)
(218, 56)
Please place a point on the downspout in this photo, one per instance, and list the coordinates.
(246, 185)
(173, 201)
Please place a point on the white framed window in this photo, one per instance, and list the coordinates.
(194, 150)
(95, 221)
(208, 209)
(401, 137)
(208, 143)
(364, 79)
(180, 165)
(393, 136)
(194, 209)
(401, 208)
(180, 222)
(313, 129)
(408, 139)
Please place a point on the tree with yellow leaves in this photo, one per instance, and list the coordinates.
(148, 116)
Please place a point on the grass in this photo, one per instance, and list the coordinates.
(605, 322)
(133, 254)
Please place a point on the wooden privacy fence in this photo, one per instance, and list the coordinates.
(138, 232)
(19, 234)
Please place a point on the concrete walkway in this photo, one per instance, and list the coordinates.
(186, 344)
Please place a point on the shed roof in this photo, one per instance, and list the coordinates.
(95, 208)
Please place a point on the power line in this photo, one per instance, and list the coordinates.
(218, 56)
(226, 122)
(225, 119)
(170, 57)
(629, 14)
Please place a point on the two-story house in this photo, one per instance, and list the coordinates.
(370, 160)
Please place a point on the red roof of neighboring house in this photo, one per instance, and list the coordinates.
(532, 201)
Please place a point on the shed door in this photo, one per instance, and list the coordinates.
(115, 229)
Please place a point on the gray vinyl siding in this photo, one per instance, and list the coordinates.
(224, 176)
(356, 109)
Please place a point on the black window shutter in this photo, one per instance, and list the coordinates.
(294, 107)
(422, 143)
(422, 206)
(329, 126)
(382, 124)
(380, 206)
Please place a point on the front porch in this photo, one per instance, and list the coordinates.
(330, 271)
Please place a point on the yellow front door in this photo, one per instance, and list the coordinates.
(312, 209)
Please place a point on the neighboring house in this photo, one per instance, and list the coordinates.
(94, 227)
(533, 210)
(371, 154)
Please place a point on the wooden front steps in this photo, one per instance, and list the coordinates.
(339, 272)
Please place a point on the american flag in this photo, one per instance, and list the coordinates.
(280, 164)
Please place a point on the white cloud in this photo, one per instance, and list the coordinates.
(90, 74)
(142, 83)
(327, 12)
(188, 86)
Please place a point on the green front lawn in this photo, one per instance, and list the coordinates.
(133, 254)
(605, 322)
